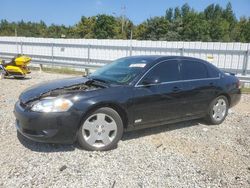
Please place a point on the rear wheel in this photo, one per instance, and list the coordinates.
(101, 130)
(218, 110)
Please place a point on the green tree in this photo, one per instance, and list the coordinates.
(195, 27)
(185, 9)
(85, 28)
(174, 30)
(140, 31)
(123, 28)
(6, 28)
(169, 14)
(228, 14)
(105, 27)
(241, 31)
(177, 13)
(155, 29)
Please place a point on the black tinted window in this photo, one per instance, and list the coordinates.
(193, 70)
(212, 71)
(165, 72)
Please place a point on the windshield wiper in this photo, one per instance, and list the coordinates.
(98, 81)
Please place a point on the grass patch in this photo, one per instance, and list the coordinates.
(34, 68)
(245, 90)
(63, 70)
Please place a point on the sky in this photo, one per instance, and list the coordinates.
(69, 12)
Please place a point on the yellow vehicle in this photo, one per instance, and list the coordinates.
(17, 67)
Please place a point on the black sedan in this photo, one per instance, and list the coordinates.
(130, 93)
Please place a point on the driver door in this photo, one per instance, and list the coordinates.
(158, 97)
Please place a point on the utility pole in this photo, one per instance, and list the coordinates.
(131, 38)
(123, 11)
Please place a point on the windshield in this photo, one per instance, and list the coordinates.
(121, 71)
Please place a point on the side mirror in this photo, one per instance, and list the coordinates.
(149, 81)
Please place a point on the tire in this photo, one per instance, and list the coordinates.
(100, 130)
(218, 110)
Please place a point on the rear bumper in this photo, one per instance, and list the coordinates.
(47, 127)
(235, 97)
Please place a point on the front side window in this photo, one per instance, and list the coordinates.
(193, 70)
(164, 72)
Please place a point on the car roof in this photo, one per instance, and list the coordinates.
(160, 58)
(157, 58)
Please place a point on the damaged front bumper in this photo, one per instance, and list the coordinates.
(47, 127)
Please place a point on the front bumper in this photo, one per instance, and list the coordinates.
(47, 127)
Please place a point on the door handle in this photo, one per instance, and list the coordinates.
(176, 89)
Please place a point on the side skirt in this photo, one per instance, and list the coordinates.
(156, 124)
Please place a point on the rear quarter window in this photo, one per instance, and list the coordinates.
(213, 72)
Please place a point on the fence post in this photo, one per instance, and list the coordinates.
(40, 67)
(245, 62)
(88, 53)
(181, 51)
(52, 51)
(88, 60)
(86, 71)
(130, 50)
(21, 43)
(131, 46)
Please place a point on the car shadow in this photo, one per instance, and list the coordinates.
(159, 129)
(45, 147)
(49, 148)
(12, 78)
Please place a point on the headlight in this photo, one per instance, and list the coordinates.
(52, 105)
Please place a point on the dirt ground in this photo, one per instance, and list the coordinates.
(186, 154)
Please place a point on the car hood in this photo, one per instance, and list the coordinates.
(37, 91)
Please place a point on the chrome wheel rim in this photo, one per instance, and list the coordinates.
(99, 130)
(219, 110)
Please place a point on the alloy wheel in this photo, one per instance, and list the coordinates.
(99, 130)
(219, 109)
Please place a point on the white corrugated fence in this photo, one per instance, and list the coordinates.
(90, 53)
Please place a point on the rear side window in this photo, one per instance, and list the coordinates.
(165, 72)
(193, 70)
(213, 72)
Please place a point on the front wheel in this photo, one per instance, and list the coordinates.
(218, 110)
(101, 130)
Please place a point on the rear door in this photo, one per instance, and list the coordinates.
(198, 86)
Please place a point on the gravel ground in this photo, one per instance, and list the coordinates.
(188, 154)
